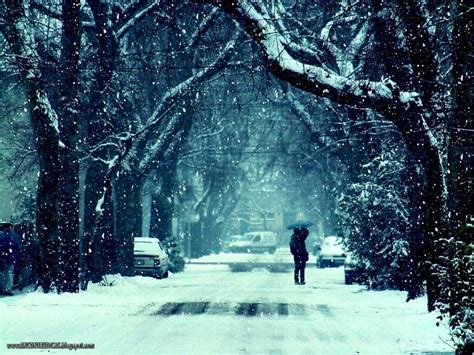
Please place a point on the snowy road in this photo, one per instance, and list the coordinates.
(208, 309)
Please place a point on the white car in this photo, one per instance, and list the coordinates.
(331, 253)
(150, 257)
(255, 242)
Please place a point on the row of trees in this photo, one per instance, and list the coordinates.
(110, 97)
(416, 76)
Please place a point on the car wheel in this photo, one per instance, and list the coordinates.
(347, 280)
(165, 275)
(321, 263)
(272, 250)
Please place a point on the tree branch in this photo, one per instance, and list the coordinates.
(383, 96)
(134, 13)
(45, 10)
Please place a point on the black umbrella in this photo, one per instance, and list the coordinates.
(300, 224)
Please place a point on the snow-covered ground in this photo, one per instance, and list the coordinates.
(208, 310)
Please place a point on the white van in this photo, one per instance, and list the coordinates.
(150, 257)
(255, 242)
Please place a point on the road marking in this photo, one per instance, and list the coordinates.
(246, 309)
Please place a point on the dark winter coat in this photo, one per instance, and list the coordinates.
(9, 248)
(298, 247)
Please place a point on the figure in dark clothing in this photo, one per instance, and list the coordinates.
(9, 254)
(300, 254)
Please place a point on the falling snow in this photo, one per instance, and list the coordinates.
(208, 128)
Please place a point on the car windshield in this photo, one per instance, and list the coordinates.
(145, 246)
(330, 241)
(247, 237)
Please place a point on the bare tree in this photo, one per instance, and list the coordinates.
(57, 201)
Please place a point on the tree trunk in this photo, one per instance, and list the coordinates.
(99, 248)
(461, 124)
(128, 221)
(198, 247)
(427, 205)
(427, 185)
(68, 211)
(46, 198)
(98, 245)
(46, 131)
(162, 204)
(458, 277)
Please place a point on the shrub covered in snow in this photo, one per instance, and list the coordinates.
(374, 216)
(455, 271)
(175, 254)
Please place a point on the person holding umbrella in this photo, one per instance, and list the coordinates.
(298, 249)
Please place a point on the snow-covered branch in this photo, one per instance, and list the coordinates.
(182, 89)
(312, 78)
(305, 51)
(46, 10)
(200, 201)
(171, 98)
(205, 24)
(326, 33)
(135, 13)
(345, 55)
(22, 45)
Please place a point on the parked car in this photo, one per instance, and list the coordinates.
(255, 242)
(150, 257)
(331, 253)
(226, 242)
